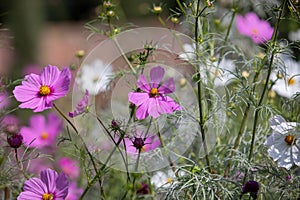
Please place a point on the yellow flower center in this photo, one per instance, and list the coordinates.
(44, 90)
(291, 81)
(169, 180)
(289, 139)
(254, 31)
(154, 92)
(44, 136)
(47, 196)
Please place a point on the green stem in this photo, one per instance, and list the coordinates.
(85, 147)
(199, 86)
(19, 164)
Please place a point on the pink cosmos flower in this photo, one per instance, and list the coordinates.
(38, 91)
(82, 105)
(74, 192)
(152, 100)
(142, 143)
(50, 186)
(4, 101)
(41, 133)
(69, 167)
(258, 30)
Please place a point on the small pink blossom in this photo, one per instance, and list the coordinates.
(40, 132)
(38, 92)
(152, 100)
(82, 105)
(258, 30)
(69, 167)
(50, 186)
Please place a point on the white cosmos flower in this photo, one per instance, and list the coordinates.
(94, 77)
(294, 36)
(289, 84)
(284, 143)
(162, 179)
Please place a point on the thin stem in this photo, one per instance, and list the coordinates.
(19, 164)
(270, 67)
(199, 86)
(85, 147)
(180, 6)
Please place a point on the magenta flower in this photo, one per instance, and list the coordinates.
(74, 192)
(258, 30)
(142, 143)
(37, 92)
(82, 105)
(4, 101)
(69, 167)
(50, 186)
(152, 100)
(41, 133)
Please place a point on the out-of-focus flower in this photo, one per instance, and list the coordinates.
(152, 100)
(162, 179)
(258, 30)
(10, 124)
(94, 77)
(69, 167)
(288, 84)
(82, 105)
(50, 186)
(4, 101)
(140, 143)
(294, 36)
(284, 143)
(74, 192)
(288, 178)
(15, 140)
(41, 133)
(29, 69)
(37, 92)
(143, 189)
(251, 187)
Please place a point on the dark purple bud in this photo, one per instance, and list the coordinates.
(287, 178)
(114, 124)
(144, 189)
(15, 140)
(138, 143)
(251, 186)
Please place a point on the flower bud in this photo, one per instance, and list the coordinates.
(251, 186)
(110, 13)
(15, 140)
(138, 143)
(157, 9)
(79, 53)
(175, 20)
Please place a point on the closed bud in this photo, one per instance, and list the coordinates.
(15, 140)
(157, 9)
(175, 20)
(110, 13)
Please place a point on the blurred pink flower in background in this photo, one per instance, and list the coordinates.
(4, 101)
(32, 68)
(39, 164)
(69, 167)
(38, 91)
(74, 192)
(41, 133)
(258, 30)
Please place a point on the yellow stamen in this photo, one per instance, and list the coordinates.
(153, 92)
(44, 136)
(44, 90)
(169, 180)
(289, 139)
(47, 196)
(143, 149)
(291, 81)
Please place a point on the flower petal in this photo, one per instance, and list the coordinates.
(168, 87)
(138, 98)
(62, 185)
(142, 111)
(142, 83)
(156, 75)
(28, 195)
(49, 75)
(49, 176)
(36, 186)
